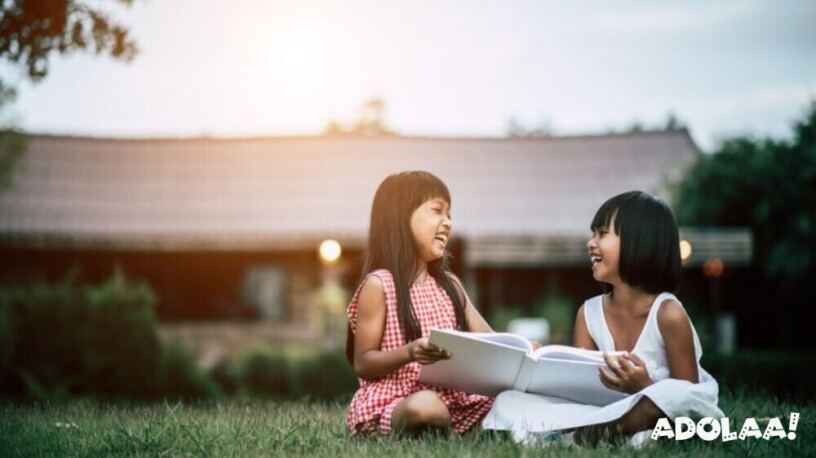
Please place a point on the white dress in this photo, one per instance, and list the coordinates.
(524, 413)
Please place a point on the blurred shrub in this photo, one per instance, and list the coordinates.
(64, 338)
(502, 317)
(267, 372)
(778, 373)
(559, 312)
(322, 375)
(326, 376)
(44, 333)
(6, 340)
(181, 378)
(226, 376)
(557, 309)
(122, 351)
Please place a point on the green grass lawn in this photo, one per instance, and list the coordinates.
(267, 428)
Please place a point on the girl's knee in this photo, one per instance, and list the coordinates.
(425, 407)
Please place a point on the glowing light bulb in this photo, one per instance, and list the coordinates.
(685, 250)
(330, 250)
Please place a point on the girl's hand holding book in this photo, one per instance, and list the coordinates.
(426, 353)
(627, 373)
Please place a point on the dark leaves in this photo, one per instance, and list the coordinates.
(31, 31)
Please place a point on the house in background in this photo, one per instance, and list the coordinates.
(227, 229)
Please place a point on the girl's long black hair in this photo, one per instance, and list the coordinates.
(391, 246)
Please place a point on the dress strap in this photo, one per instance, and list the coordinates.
(596, 324)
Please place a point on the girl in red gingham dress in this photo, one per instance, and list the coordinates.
(407, 290)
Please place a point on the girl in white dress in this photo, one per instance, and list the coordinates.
(635, 255)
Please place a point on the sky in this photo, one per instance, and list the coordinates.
(442, 67)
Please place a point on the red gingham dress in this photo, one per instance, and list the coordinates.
(375, 400)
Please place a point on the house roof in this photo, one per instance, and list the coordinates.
(267, 193)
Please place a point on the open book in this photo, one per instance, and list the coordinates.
(489, 363)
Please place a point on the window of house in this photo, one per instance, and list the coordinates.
(265, 289)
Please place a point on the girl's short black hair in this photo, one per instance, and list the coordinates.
(649, 240)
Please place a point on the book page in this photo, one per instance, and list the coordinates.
(476, 365)
(574, 380)
(503, 338)
(572, 353)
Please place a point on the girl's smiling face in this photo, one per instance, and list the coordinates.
(432, 227)
(604, 253)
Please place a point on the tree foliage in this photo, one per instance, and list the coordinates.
(370, 122)
(31, 31)
(768, 185)
(12, 141)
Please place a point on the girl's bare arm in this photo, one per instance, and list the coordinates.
(675, 326)
(369, 361)
(580, 335)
